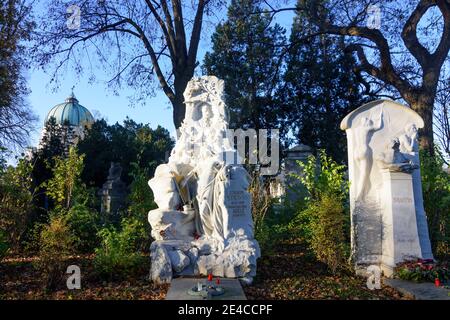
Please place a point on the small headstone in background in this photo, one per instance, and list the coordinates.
(113, 193)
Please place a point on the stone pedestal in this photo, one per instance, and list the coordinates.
(400, 239)
(180, 286)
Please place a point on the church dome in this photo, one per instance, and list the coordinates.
(70, 112)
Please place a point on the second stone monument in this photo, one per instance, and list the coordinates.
(387, 215)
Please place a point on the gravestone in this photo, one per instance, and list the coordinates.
(297, 153)
(284, 185)
(387, 214)
(203, 224)
(113, 193)
(238, 204)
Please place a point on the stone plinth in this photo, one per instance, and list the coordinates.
(180, 286)
(400, 234)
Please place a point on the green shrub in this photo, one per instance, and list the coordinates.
(84, 224)
(436, 196)
(141, 202)
(261, 205)
(55, 247)
(3, 245)
(16, 201)
(323, 223)
(323, 220)
(323, 176)
(118, 256)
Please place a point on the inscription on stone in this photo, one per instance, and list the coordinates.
(236, 202)
(402, 199)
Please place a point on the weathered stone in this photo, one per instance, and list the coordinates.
(193, 253)
(113, 192)
(387, 215)
(160, 268)
(178, 260)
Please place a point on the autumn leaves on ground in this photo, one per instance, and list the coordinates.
(289, 273)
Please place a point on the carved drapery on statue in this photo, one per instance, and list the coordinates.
(193, 190)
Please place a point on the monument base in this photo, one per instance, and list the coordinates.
(235, 258)
(400, 234)
(180, 286)
(387, 271)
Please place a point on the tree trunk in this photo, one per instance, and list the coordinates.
(179, 108)
(424, 107)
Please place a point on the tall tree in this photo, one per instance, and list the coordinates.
(442, 120)
(16, 118)
(247, 55)
(320, 89)
(401, 46)
(140, 42)
(146, 147)
(52, 145)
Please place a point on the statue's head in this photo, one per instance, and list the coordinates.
(206, 113)
(411, 129)
(201, 90)
(193, 89)
(395, 144)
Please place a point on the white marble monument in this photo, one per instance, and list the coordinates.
(387, 214)
(203, 224)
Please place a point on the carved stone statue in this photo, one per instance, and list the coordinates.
(204, 212)
(394, 160)
(168, 221)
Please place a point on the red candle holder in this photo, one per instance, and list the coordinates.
(437, 282)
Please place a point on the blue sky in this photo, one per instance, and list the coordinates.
(98, 98)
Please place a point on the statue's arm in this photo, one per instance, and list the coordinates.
(379, 123)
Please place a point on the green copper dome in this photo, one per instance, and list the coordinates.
(72, 112)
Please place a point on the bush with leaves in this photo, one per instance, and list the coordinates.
(436, 196)
(118, 255)
(62, 187)
(84, 224)
(141, 202)
(55, 246)
(3, 245)
(73, 200)
(324, 230)
(323, 221)
(423, 270)
(261, 205)
(16, 201)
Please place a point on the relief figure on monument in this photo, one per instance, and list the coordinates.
(363, 153)
(394, 160)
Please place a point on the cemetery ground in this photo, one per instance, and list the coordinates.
(288, 272)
